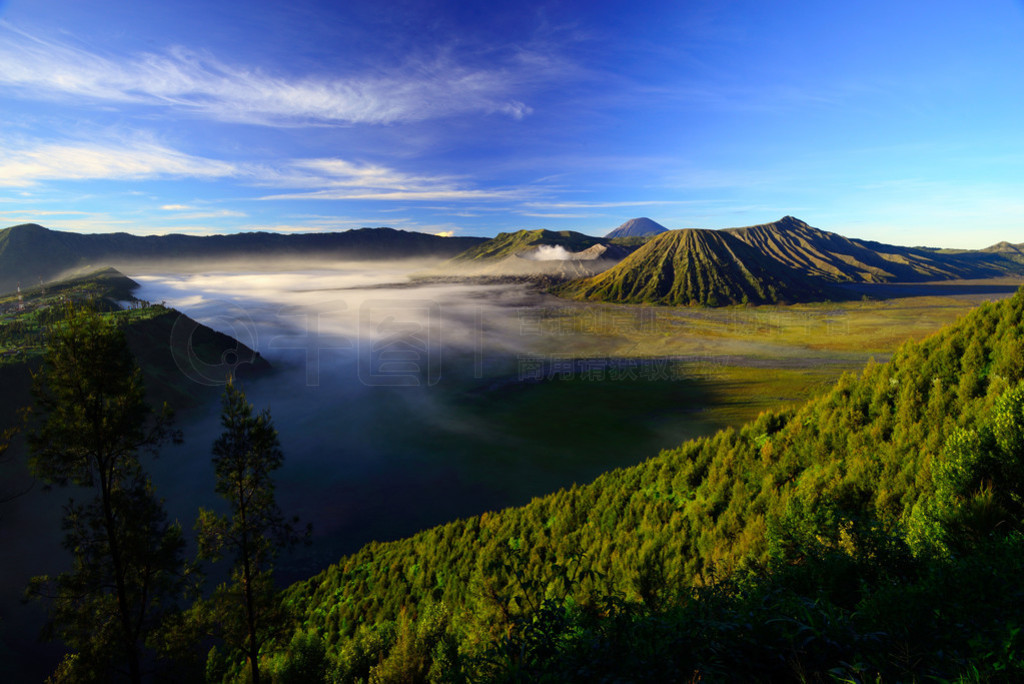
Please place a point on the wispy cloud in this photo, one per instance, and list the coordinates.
(339, 179)
(189, 81)
(24, 164)
(214, 214)
(559, 216)
(606, 205)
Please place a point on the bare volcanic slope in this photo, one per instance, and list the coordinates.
(637, 227)
(30, 253)
(831, 256)
(695, 266)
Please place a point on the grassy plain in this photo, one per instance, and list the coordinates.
(749, 359)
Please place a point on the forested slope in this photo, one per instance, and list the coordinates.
(857, 465)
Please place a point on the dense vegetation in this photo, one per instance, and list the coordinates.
(180, 358)
(687, 267)
(130, 607)
(871, 532)
(91, 423)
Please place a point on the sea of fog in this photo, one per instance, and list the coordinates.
(371, 377)
(402, 405)
(398, 405)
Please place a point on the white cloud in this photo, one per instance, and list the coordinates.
(186, 80)
(339, 179)
(26, 164)
(422, 194)
(533, 214)
(215, 214)
(605, 205)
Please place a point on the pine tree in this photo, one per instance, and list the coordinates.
(126, 556)
(245, 457)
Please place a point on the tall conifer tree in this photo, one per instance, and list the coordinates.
(126, 556)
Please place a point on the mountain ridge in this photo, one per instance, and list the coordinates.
(834, 257)
(695, 266)
(30, 253)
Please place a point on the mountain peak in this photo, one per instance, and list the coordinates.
(637, 227)
(695, 266)
(27, 228)
(790, 222)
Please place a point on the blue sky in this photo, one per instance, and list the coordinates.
(895, 121)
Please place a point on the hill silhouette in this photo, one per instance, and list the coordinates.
(30, 253)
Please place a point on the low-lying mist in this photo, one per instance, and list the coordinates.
(400, 405)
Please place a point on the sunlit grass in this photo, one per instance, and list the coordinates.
(749, 358)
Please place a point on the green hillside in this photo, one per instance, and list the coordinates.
(1008, 250)
(682, 267)
(870, 534)
(820, 253)
(182, 361)
(509, 244)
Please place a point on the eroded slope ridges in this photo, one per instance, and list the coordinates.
(694, 266)
(827, 255)
(867, 447)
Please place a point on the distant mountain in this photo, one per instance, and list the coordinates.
(30, 253)
(695, 266)
(1003, 247)
(509, 244)
(1007, 250)
(638, 227)
(816, 252)
(535, 254)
